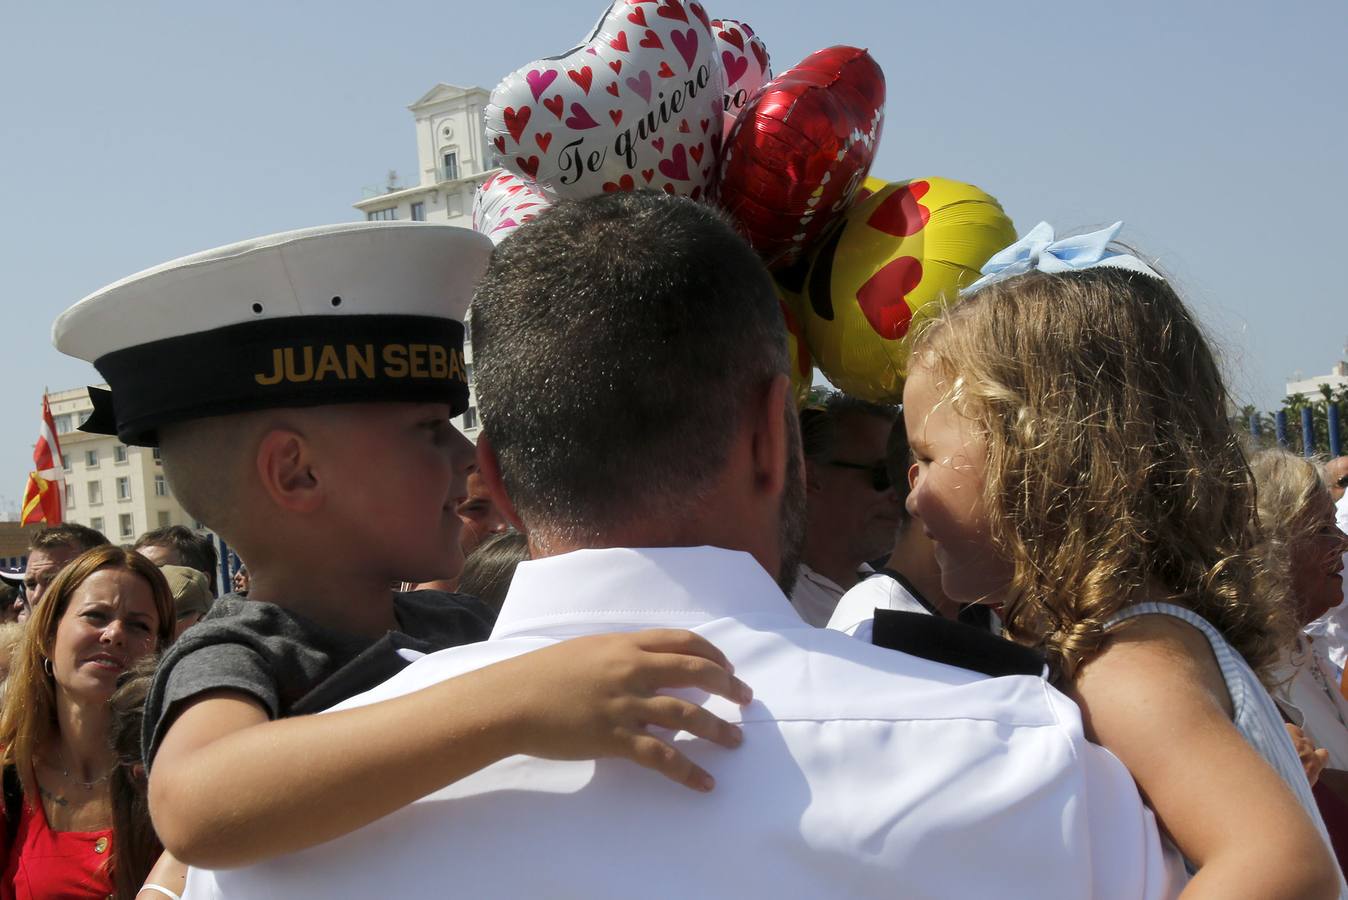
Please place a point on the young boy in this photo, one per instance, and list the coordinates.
(301, 388)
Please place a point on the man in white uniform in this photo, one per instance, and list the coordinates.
(632, 377)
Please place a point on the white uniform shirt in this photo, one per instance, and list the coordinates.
(855, 613)
(1332, 628)
(815, 596)
(863, 773)
(1309, 693)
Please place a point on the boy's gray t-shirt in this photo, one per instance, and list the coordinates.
(293, 665)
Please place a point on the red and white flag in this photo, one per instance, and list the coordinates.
(44, 499)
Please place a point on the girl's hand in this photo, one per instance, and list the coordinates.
(594, 697)
(1313, 759)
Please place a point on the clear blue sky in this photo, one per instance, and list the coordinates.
(137, 132)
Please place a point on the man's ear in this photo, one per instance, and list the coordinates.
(284, 464)
(489, 468)
(772, 440)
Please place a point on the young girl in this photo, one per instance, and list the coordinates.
(1074, 466)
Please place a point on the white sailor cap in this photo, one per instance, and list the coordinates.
(346, 313)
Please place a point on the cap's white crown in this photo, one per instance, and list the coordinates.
(360, 268)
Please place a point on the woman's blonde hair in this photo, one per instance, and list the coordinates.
(28, 717)
(1112, 466)
(1287, 485)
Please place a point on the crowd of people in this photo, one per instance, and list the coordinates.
(1048, 629)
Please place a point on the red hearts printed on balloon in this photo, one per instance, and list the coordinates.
(539, 81)
(584, 77)
(670, 9)
(624, 184)
(499, 143)
(516, 120)
(668, 75)
(648, 174)
(701, 15)
(503, 203)
(760, 53)
(676, 166)
(743, 75)
(801, 148)
(580, 118)
(901, 215)
(883, 297)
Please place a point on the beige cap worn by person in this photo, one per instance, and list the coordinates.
(190, 590)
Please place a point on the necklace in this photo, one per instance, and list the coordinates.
(65, 773)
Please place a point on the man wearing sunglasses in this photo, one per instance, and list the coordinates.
(49, 552)
(852, 510)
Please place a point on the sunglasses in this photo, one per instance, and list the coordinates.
(878, 472)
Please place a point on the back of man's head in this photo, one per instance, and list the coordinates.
(619, 338)
(183, 547)
(68, 534)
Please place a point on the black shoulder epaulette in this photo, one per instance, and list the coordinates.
(953, 643)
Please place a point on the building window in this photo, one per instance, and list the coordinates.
(450, 172)
(469, 368)
(160, 486)
(119, 453)
(470, 418)
(70, 498)
(419, 211)
(126, 525)
(157, 457)
(96, 523)
(163, 518)
(467, 332)
(62, 423)
(66, 462)
(382, 215)
(91, 459)
(95, 489)
(123, 488)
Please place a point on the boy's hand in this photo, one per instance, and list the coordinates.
(594, 697)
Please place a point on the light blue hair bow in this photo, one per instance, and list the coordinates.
(1039, 252)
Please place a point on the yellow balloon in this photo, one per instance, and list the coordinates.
(802, 365)
(897, 254)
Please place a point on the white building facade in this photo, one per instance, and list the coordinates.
(453, 158)
(118, 490)
(1310, 387)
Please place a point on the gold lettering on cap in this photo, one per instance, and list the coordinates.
(361, 358)
(395, 361)
(456, 366)
(299, 376)
(417, 355)
(276, 371)
(439, 369)
(329, 361)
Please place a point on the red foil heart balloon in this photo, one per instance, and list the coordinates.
(800, 150)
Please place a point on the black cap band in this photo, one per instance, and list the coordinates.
(271, 363)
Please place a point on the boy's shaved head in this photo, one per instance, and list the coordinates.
(209, 463)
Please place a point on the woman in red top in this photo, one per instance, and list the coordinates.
(107, 608)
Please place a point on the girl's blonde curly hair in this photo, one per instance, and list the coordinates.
(1113, 470)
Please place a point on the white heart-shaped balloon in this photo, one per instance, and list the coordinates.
(744, 63)
(503, 203)
(638, 105)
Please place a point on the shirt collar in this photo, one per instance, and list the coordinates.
(587, 591)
